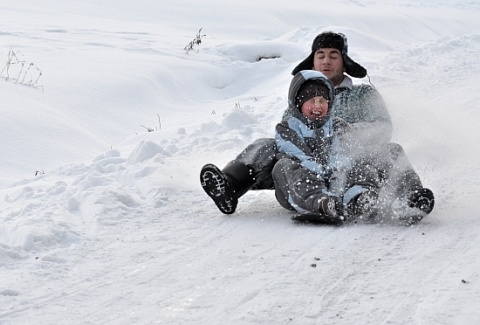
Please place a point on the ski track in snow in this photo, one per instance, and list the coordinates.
(129, 237)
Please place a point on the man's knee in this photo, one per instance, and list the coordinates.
(261, 150)
(395, 150)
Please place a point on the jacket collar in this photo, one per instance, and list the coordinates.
(346, 83)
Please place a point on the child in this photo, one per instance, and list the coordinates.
(315, 171)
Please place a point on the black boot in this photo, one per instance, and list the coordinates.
(226, 186)
(421, 200)
(329, 205)
(365, 205)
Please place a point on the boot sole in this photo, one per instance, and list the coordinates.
(215, 185)
(423, 200)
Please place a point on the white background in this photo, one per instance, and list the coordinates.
(115, 228)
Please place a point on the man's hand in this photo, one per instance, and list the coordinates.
(341, 126)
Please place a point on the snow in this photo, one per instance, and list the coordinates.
(103, 222)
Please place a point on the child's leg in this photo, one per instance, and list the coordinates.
(362, 190)
(298, 188)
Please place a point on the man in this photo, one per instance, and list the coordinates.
(360, 105)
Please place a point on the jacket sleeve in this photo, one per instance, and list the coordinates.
(364, 108)
(375, 124)
(289, 137)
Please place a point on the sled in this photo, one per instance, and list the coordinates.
(313, 217)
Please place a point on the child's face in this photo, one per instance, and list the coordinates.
(315, 108)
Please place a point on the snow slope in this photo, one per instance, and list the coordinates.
(103, 222)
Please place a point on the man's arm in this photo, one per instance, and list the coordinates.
(364, 108)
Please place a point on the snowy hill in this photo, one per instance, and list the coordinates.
(104, 222)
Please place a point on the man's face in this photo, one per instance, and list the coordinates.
(329, 61)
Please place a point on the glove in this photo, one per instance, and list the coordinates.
(341, 126)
